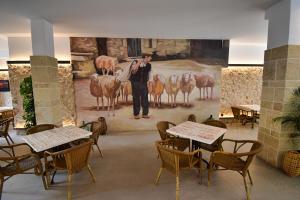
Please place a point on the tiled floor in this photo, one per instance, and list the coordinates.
(129, 168)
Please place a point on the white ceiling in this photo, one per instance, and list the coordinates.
(240, 20)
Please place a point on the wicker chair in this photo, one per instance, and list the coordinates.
(40, 128)
(97, 129)
(73, 160)
(216, 146)
(163, 126)
(4, 129)
(174, 160)
(18, 164)
(192, 118)
(235, 161)
(8, 114)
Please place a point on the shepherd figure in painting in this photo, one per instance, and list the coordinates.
(139, 77)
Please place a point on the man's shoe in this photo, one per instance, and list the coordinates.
(146, 116)
(136, 117)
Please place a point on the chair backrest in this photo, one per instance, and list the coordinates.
(216, 123)
(40, 128)
(7, 114)
(192, 118)
(162, 127)
(168, 156)
(97, 129)
(217, 145)
(77, 156)
(236, 112)
(5, 125)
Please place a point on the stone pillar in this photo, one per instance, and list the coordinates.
(44, 71)
(46, 90)
(281, 75)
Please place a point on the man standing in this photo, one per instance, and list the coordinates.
(139, 78)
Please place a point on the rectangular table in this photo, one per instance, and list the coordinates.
(48, 139)
(254, 107)
(198, 132)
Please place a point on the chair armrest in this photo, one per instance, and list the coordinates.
(84, 125)
(228, 154)
(12, 146)
(17, 158)
(173, 124)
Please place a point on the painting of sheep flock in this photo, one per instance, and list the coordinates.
(136, 82)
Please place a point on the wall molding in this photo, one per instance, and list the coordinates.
(28, 62)
(245, 65)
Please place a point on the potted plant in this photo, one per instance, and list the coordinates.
(28, 102)
(291, 118)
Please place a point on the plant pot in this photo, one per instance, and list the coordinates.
(291, 163)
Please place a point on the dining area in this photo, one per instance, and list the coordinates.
(46, 149)
(128, 165)
(207, 136)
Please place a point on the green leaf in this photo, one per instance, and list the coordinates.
(28, 102)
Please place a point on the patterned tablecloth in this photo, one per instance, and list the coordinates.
(48, 139)
(198, 132)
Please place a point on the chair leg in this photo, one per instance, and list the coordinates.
(69, 186)
(52, 179)
(44, 181)
(158, 176)
(177, 188)
(251, 181)
(200, 170)
(47, 175)
(99, 149)
(7, 140)
(1, 186)
(246, 187)
(10, 139)
(209, 171)
(91, 173)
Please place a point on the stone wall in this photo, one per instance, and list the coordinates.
(65, 78)
(166, 46)
(117, 47)
(280, 77)
(18, 72)
(240, 85)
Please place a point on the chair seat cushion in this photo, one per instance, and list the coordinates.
(229, 162)
(24, 164)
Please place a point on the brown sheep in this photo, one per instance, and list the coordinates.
(187, 85)
(106, 64)
(96, 89)
(150, 89)
(172, 88)
(126, 90)
(158, 89)
(203, 82)
(110, 87)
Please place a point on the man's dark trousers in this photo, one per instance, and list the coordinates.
(140, 97)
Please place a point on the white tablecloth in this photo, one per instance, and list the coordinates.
(48, 139)
(198, 132)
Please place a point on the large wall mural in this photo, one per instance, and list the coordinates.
(135, 82)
